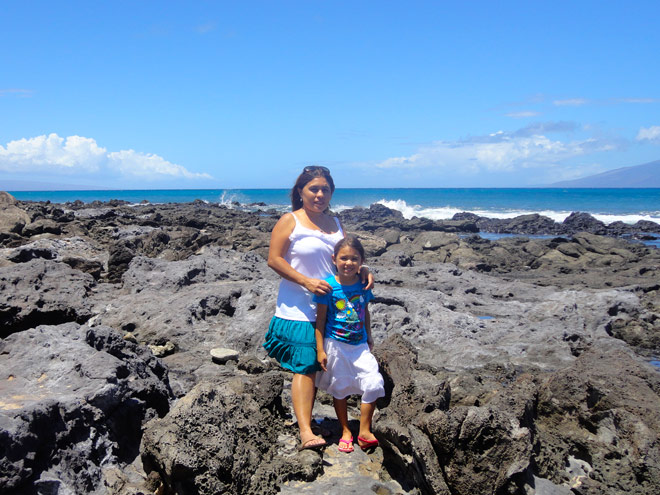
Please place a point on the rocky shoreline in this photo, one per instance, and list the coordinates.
(512, 366)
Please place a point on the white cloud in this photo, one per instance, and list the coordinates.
(130, 162)
(23, 93)
(576, 102)
(637, 100)
(51, 152)
(651, 134)
(572, 102)
(498, 152)
(206, 28)
(77, 154)
(522, 115)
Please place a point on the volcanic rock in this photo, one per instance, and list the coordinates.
(73, 402)
(222, 437)
(12, 218)
(510, 365)
(42, 292)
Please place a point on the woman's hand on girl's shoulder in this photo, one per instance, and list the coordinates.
(367, 277)
(317, 286)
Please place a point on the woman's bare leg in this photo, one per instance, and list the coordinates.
(366, 415)
(303, 391)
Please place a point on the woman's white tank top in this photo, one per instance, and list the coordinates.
(310, 253)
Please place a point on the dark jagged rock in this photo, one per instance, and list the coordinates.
(120, 255)
(535, 224)
(93, 267)
(42, 292)
(594, 433)
(41, 226)
(583, 222)
(601, 414)
(509, 364)
(73, 404)
(463, 226)
(478, 449)
(220, 298)
(376, 216)
(12, 218)
(223, 438)
(23, 255)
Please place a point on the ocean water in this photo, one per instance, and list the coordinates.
(607, 205)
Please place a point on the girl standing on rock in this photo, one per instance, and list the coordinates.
(301, 247)
(343, 343)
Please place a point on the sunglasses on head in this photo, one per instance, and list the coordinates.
(316, 168)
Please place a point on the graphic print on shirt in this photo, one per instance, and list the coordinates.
(351, 312)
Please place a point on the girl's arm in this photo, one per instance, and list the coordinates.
(367, 326)
(321, 356)
(279, 244)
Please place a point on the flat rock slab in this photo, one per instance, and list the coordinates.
(221, 355)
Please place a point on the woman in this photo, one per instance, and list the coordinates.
(301, 247)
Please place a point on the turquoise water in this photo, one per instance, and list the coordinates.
(608, 205)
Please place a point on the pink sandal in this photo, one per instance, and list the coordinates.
(349, 445)
(367, 444)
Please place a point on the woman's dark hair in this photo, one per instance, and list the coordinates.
(308, 174)
(352, 242)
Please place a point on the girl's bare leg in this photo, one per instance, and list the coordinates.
(341, 408)
(303, 391)
(366, 415)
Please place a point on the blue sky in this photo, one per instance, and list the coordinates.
(212, 94)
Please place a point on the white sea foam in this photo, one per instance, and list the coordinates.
(233, 200)
(447, 212)
(627, 218)
(229, 198)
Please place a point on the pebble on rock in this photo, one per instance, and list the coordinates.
(163, 350)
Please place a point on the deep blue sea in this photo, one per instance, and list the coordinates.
(607, 205)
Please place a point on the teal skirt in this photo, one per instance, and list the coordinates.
(293, 344)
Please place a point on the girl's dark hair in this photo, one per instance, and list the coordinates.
(307, 175)
(352, 242)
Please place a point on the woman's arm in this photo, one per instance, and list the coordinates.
(367, 277)
(279, 244)
(321, 356)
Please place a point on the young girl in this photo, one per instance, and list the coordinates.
(343, 344)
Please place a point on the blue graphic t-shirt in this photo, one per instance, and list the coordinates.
(346, 311)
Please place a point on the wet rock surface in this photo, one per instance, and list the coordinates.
(511, 366)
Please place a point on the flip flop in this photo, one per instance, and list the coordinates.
(367, 444)
(349, 445)
(308, 445)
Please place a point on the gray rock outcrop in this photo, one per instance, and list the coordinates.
(42, 292)
(511, 366)
(12, 218)
(74, 399)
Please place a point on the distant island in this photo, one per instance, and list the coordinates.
(646, 175)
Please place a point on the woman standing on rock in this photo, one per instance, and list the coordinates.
(301, 247)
